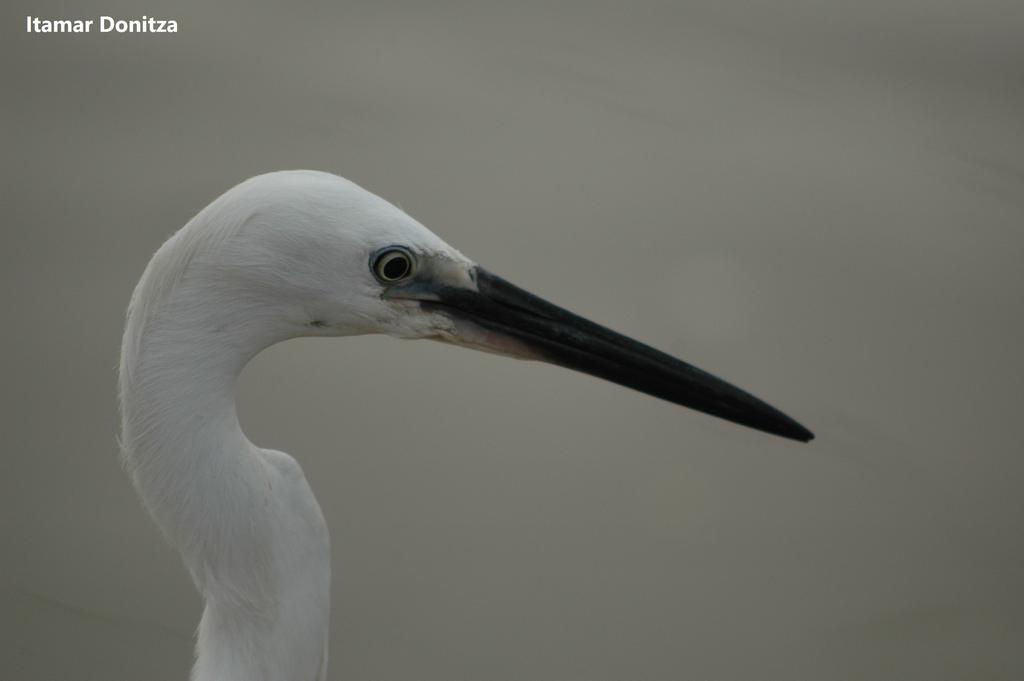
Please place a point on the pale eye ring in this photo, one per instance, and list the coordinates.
(392, 264)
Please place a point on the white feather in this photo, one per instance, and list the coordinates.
(259, 265)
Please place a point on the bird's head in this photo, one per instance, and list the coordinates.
(309, 253)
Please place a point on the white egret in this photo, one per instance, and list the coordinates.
(302, 253)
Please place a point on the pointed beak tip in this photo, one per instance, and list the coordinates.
(798, 433)
(806, 436)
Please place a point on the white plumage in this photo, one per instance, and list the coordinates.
(259, 265)
(299, 253)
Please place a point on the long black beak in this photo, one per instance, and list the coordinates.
(508, 313)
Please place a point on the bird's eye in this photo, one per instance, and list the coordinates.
(393, 264)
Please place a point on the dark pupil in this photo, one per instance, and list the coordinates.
(395, 267)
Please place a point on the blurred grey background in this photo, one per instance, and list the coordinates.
(821, 201)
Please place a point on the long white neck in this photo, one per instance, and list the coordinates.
(244, 519)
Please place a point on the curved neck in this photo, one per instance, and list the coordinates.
(230, 508)
(181, 439)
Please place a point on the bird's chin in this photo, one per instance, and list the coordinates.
(466, 334)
